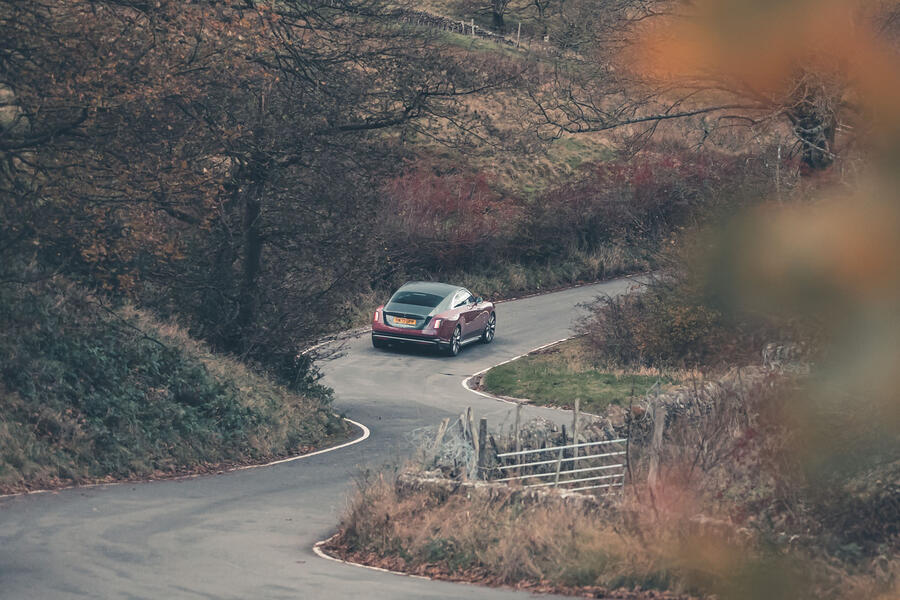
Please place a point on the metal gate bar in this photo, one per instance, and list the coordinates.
(569, 472)
(553, 461)
(551, 448)
(579, 480)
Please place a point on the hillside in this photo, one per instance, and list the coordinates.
(93, 393)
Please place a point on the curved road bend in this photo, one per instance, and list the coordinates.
(248, 534)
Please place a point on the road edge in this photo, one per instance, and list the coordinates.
(317, 549)
(365, 433)
(465, 382)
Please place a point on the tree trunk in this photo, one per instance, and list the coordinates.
(499, 25)
(252, 259)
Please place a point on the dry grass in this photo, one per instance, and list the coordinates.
(515, 158)
(639, 551)
(499, 541)
(730, 516)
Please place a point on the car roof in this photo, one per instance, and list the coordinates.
(430, 287)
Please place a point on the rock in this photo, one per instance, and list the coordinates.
(786, 357)
(441, 487)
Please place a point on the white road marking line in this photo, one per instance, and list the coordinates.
(465, 382)
(365, 435)
(317, 548)
(362, 438)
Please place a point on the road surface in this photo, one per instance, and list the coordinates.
(249, 534)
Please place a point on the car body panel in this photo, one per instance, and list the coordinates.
(415, 308)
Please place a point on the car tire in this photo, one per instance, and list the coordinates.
(378, 343)
(455, 342)
(487, 336)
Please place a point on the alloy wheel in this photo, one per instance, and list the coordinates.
(489, 330)
(454, 342)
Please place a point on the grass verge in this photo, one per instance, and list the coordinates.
(497, 542)
(556, 376)
(90, 393)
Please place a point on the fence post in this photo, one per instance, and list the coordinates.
(518, 34)
(518, 439)
(442, 429)
(558, 467)
(659, 425)
(473, 433)
(575, 425)
(482, 444)
(518, 423)
(473, 27)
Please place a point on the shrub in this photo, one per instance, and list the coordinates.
(639, 201)
(460, 224)
(676, 322)
(443, 221)
(658, 328)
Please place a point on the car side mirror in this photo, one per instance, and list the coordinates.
(479, 300)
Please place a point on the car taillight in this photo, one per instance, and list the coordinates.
(437, 323)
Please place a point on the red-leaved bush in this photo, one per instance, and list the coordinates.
(641, 199)
(444, 220)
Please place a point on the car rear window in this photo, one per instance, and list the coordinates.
(417, 299)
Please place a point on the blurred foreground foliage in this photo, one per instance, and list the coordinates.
(824, 261)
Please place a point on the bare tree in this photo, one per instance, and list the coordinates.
(222, 157)
(599, 90)
(542, 6)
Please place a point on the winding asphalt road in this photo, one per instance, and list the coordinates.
(249, 534)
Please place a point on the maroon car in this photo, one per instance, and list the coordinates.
(434, 314)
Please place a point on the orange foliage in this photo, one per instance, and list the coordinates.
(766, 44)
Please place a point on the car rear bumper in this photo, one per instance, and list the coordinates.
(389, 336)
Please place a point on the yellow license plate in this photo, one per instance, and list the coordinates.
(403, 321)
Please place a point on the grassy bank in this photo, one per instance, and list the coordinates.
(626, 552)
(92, 393)
(498, 542)
(556, 376)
